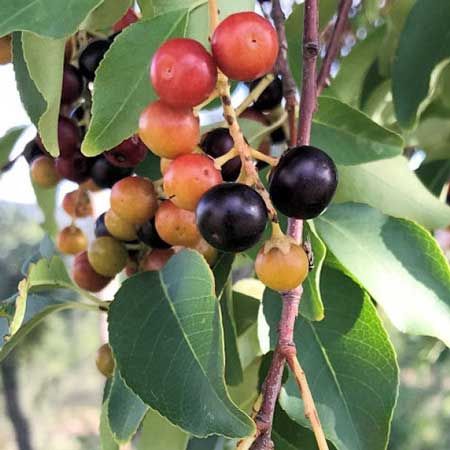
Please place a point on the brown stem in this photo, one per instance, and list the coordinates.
(333, 45)
(282, 67)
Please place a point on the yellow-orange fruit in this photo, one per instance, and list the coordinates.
(5, 50)
(77, 204)
(71, 240)
(119, 228)
(43, 172)
(105, 361)
(85, 276)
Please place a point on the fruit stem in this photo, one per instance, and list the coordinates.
(280, 122)
(262, 157)
(255, 93)
(210, 99)
(222, 160)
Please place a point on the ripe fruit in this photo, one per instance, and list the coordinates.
(303, 183)
(207, 251)
(5, 50)
(134, 199)
(107, 256)
(176, 226)
(231, 217)
(105, 175)
(72, 85)
(31, 151)
(77, 204)
(71, 240)
(91, 57)
(188, 178)
(217, 143)
(280, 271)
(129, 18)
(44, 173)
(105, 361)
(148, 235)
(271, 96)
(100, 226)
(76, 167)
(119, 228)
(129, 153)
(183, 73)
(164, 165)
(69, 137)
(169, 132)
(85, 276)
(156, 259)
(245, 46)
(89, 185)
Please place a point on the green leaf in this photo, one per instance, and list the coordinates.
(349, 136)
(45, 61)
(7, 143)
(20, 305)
(425, 38)
(170, 321)
(31, 98)
(311, 305)
(49, 273)
(434, 175)
(159, 434)
(222, 270)
(348, 84)
(106, 15)
(203, 444)
(107, 441)
(150, 167)
(46, 200)
(397, 261)
(50, 18)
(122, 88)
(350, 364)
(233, 367)
(125, 411)
(433, 135)
(245, 309)
(393, 188)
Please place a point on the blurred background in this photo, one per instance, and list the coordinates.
(50, 390)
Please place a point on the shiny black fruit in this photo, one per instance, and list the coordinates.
(32, 151)
(231, 217)
(218, 142)
(91, 56)
(148, 235)
(105, 175)
(303, 183)
(271, 96)
(72, 85)
(76, 167)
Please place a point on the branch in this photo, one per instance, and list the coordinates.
(282, 67)
(333, 45)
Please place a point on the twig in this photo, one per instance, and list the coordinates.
(283, 68)
(255, 93)
(333, 45)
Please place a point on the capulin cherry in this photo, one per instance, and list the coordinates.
(105, 175)
(72, 85)
(91, 57)
(129, 153)
(271, 97)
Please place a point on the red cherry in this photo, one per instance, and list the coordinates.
(183, 73)
(245, 46)
(129, 153)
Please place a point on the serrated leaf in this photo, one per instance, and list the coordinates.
(30, 96)
(125, 411)
(159, 434)
(20, 305)
(49, 273)
(170, 321)
(349, 136)
(350, 365)
(424, 38)
(50, 18)
(393, 188)
(7, 143)
(45, 60)
(106, 15)
(397, 261)
(46, 200)
(122, 87)
(434, 175)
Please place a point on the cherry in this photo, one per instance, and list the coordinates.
(118, 227)
(107, 256)
(129, 153)
(231, 217)
(196, 171)
(76, 167)
(176, 226)
(5, 50)
(156, 259)
(169, 132)
(134, 199)
(69, 137)
(44, 173)
(245, 46)
(303, 183)
(89, 185)
(85, 276)
(91, 57)
(164, 165)
(71, 240)
(100, 226)
(207, 251)
(105, 361)
(105, 175)
(271, 96)
(32, 151)
(183, 73)
(77, 204)
(128, 18)
(72, 85)
(148, 235)
(218, 142)
(280, 271)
